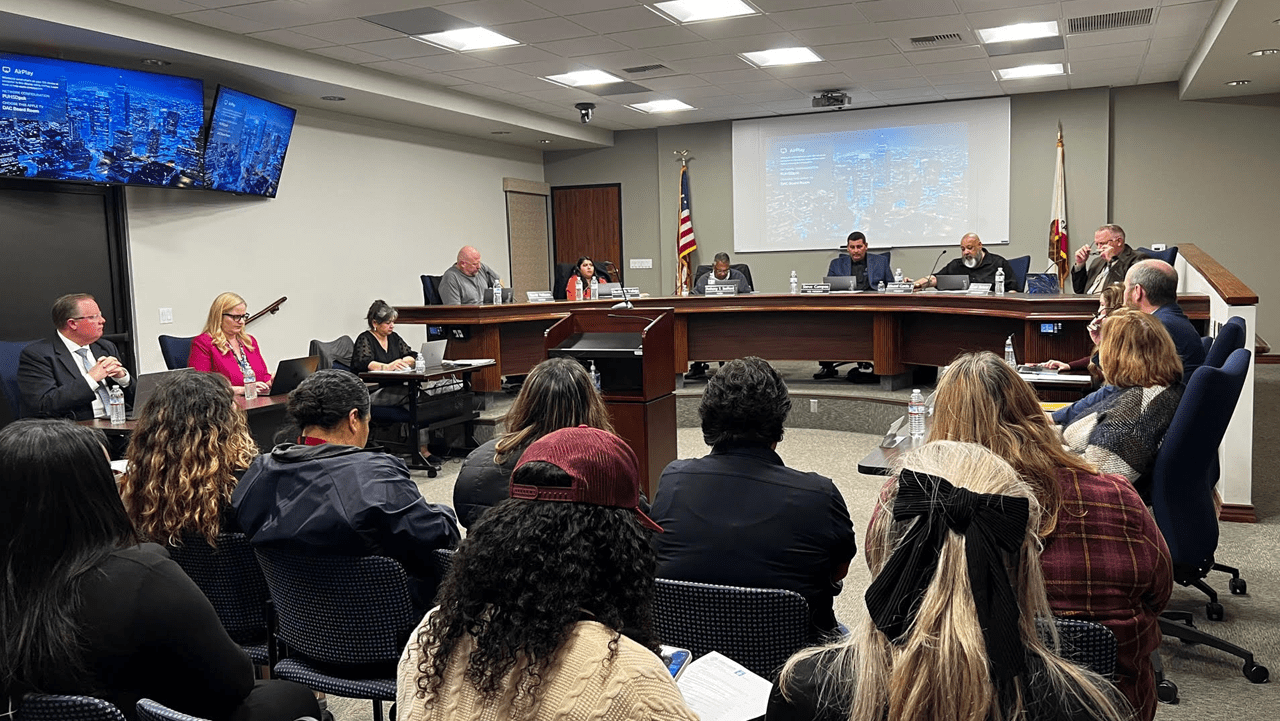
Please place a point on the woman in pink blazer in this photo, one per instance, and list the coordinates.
(226, 349)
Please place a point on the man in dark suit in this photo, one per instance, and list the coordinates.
(69, 375)
(1114, 260)
(871, 270)
(1151, 286)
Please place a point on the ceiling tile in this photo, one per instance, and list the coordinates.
(764, 96)
(654, 37)
(484, 91)
(880, 11)
(973, 95)
(865, 49)
(542, 31)
(752, 43)
(989, 85)
(819, 83)
(495, 12)
(803, 70)
(514, 55)
(448, 62)
(1156, 67)
(1105, 78)
(977, 6)
(803, 104)
(489, 75)
(214, 4)
(1177, 42)
(735, 27)
(960, 66)
(167, 7)
(1036, 85)
(419, 21)
(895, 84)
(690, 95)
(1081, 8)
(291, 39)
(709, 65)
(345, 32)
(908, 94)
(1119, 50)
(675, 82)
(1013, 16)
(946, 55)
(756, 86)
(1159, 76)
(879, 62)
(636, 17)
(285, 13)
(863, 77)
(735, 76)
(1183, 19)
(558, 66)
(399, 48)
(440, 78)
(819, 17)
(590, 45)
(224, 21)
(569, 7)
(1013, 61)
(348, 54)
(685, 51)
(618, 61)
(556, 94)
(814, 37)
(1168, 56)
(1108, 64)
(977, 76)
(1108, 37)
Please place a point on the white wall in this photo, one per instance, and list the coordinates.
(364, 208)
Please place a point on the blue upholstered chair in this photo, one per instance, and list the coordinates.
(343, 619)
(1087, 644)
(759, 628)
(231, 579)
(10, 353)
(431, 290)
(42, 707)
(175, 350)
(1020, 266)
(1168, 255)
(1230, 339)
(149, 710)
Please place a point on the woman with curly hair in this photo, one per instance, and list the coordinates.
(546, 611)
(191, 446)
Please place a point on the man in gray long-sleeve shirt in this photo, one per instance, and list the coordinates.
(464, 282)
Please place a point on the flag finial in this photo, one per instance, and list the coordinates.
(682, 156)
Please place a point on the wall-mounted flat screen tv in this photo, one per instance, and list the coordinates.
(61, 120)
(247, 140)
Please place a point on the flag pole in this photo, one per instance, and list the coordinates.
(1058, 236)
(683, 269)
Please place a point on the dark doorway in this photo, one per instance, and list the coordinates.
(587, 220)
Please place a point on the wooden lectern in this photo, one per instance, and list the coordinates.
(634, 351)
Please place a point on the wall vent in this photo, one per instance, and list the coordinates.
(933, 41)
(639, 69)
(1109, 21)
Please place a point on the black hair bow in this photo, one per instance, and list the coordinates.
(990, 524)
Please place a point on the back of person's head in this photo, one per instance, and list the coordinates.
(982, 400)
(1112, 296)
(1136, 351)
(380, 312)
(183, 456)
(60, 517)
(570, 545)
(66, 307)
(1158, 279)
(324, 400)
(955, 514)
(557, 393)
(745, 404)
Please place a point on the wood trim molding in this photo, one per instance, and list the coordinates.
(532, 187)
(1238, 513)
(1267, 359)
(1232, 289)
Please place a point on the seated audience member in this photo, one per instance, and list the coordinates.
(1151, 286)
(327, 493)
(953, 606)
(583, 271)
(723, 274)
(1115, 257)
(90, 611)
(1118, 428)
(465, 281)
(801, 537)
(1109, 299)
(189, 450)
(226, 349)
(546, 611)
(69, 375)
(557, 393)
(980, 265)
(1104, 559)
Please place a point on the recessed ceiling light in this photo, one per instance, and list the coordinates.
(544, 141)
(1021, 31)
(499, 132)
(1030, 71)
(1268, 51)
(1237, 82)
(156, 62)
(467, 39)
(781, 56)
(691, 11)
(583, 77)
(662, 106)
(332, 98)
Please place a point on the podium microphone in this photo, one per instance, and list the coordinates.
(935, 263)
(625, 303)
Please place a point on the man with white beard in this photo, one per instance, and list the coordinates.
(978, 264)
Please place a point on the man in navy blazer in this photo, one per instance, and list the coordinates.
(1151, 286)
(69, 375)
(872, 269)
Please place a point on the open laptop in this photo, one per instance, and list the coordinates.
(488, 296)
(610, 290)
(952, 282)
(290, 373)
(433, 354)
(147, 385)
(843, 282)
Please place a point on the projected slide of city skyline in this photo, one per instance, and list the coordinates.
(62, 120)
(248, 138)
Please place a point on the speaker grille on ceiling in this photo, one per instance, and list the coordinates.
(645, 69)
(1109, 21)
(933, 41)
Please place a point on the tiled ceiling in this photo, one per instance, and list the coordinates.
(866, 48)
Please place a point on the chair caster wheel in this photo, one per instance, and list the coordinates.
(1214, 611)
(1256, 673)
(1238, 586)
(1167, 692)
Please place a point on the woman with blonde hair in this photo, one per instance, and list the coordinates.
(558, 393)
(954, 609)
(225, 348)
(191, 446)
(1104, 558)
(1111, 298)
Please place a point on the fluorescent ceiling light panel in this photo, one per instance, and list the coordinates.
(467, 39)
(1030, 71)
(662, 106)
(691, 11)
(584, 77)
(781, 56)
(1021, 31)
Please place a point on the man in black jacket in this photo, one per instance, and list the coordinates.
(70, 375)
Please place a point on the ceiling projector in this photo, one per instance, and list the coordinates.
(831, 99)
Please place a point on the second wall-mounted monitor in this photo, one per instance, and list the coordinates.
(246, 144)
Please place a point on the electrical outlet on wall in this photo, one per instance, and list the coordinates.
(813, 405)
(166, 315)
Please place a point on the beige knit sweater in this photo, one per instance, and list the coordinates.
(579, 686)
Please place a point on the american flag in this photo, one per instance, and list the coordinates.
(685, 242)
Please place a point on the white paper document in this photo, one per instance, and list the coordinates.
(720, 689)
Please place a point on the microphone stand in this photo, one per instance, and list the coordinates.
(935, 263)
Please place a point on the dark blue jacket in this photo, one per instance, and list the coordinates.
(877, 268)
(1185, 337)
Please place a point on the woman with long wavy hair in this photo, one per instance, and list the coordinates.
(86, 609)
(190, 448)
(546, 611)
(953, 608)
(557, 393)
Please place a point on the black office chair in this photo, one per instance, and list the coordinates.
(333, 354)
(10, 354)
(431, 290)
(149, 710)
(230, 577)
(1020, 267)
(1168, 255)
(175, 350)
(51, 707)
(562, 273)
(1086, 644)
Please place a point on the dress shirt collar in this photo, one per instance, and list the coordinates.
(73, 346)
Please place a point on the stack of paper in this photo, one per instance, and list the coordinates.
(719, 689)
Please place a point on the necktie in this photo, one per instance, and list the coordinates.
(102, 388)
(1100, 280)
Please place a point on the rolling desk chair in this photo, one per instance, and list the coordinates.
(431, 290)
(1020, 267)
(10, 354)
(175, 351)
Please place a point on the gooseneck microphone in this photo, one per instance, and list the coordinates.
(935, 263)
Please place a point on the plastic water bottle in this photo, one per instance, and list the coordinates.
(880, 287)
(1000, 281)
(916, 410)
(578, 294)
(897, 275)
(795, 284)
(116, 411)
(250, 385)
(595, 376)
(1009, 356)
(595, 288)
(497, 292)
(420, 364)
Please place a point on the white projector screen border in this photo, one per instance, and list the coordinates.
(983, 124)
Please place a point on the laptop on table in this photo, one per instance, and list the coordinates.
(952, 282)
(843, 282)
(147, 385)
(290, 374)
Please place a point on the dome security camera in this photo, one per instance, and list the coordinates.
(584, 110)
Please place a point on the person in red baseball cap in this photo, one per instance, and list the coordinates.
(546, 610)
